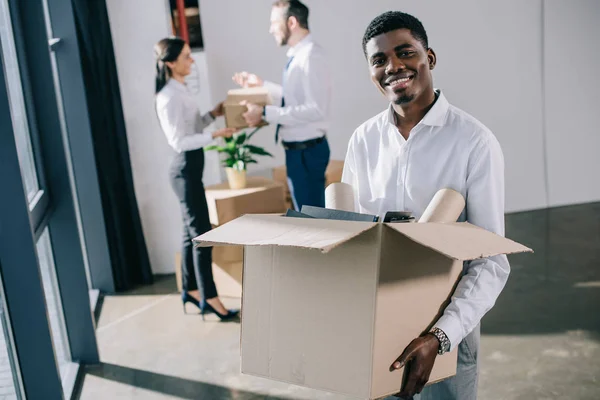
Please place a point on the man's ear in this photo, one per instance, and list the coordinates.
(292, 22)
(431, 58)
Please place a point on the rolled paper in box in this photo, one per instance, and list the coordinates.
(339, 196)
(446, 206)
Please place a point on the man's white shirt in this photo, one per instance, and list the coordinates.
(307, 92)
(448, 148)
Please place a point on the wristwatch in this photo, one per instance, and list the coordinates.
(442, 338)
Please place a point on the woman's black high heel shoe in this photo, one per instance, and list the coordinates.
(187, 298)
(207, 309)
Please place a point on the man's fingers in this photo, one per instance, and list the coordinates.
(406, 355)
(421, 384)
(409, 390)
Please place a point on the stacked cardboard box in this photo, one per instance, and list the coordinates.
(332, 174)
(261, 196)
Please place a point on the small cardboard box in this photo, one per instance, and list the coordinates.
(330, 304)
(234, 110)
(333, 174)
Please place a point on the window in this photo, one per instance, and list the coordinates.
(192, 17)
(53, 303)
(17, 106)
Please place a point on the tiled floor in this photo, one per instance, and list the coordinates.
(541, 341)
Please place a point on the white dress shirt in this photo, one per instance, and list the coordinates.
(307, 93)
(180, 118)
(448, 148)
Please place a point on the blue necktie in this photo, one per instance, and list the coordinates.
(282, 98)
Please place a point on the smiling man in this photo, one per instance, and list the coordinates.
(399, 159)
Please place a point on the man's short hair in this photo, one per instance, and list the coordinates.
(391, 21)
(294, 8)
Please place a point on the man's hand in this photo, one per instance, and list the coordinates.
(218, 111)
(254, 115)
(247, 80)
(419, 357)
(225, 132)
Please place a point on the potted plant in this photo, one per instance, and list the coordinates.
(238, 154)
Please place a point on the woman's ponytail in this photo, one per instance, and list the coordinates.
(167, 50)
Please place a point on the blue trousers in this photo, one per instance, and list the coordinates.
(306, 174)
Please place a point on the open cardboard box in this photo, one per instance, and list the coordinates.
(330, 304)
(234, 110)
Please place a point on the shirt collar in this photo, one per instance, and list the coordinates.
(178, 85)
(292, 51)
(436, 116)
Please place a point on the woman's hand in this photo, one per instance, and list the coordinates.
(218, 111)
(225, 133)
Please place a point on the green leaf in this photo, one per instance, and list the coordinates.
(241, 138)
(217, 148)
(231, 145)
(258, 150)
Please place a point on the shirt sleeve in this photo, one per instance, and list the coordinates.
(275, 91)
(349, 172)
(172, 120)
(316, 83)
(484, 279)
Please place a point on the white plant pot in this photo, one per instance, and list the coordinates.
(236, 179)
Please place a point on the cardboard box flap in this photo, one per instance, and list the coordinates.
(459, 240)
(264, 230)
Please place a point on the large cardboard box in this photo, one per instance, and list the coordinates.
(260, 196)
(330, 304)
(333, 174)
(234, 110)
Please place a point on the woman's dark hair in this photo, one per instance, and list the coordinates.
(167, 50)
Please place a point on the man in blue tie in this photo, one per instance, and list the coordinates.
(303, 104)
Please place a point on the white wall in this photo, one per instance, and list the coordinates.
(572, 31)
(486, 65)
(504, 62)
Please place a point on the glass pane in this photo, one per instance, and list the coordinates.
(8, 370)
(54, 303)
(17, 103)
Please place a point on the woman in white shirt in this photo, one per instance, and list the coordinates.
(184, 127)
